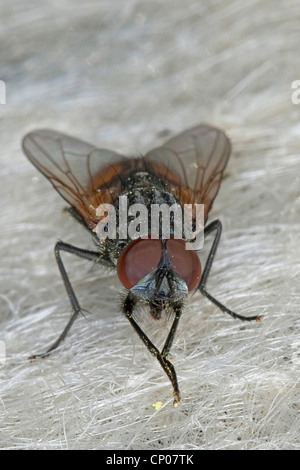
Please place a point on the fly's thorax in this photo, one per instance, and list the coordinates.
(146, 208)
(133, 213)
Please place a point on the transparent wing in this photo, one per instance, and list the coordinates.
(78, 171)
(193, 162)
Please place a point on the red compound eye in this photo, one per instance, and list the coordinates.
(137, 260)
(184, 262)
(141, 257)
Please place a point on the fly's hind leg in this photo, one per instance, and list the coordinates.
(217, 226)
(76, 309)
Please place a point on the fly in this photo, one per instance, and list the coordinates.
(158, 273)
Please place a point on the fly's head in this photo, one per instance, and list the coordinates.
(159, 273)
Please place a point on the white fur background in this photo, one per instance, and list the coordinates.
(117, 73)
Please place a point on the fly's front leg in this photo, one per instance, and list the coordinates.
(76, 309)
(217, 226)
(167, 366)
(169, 341)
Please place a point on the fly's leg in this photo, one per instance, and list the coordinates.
(217, 225)
(167, 366)
(169, 341)
(76, 309)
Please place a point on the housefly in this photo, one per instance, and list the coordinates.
(157, 273)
